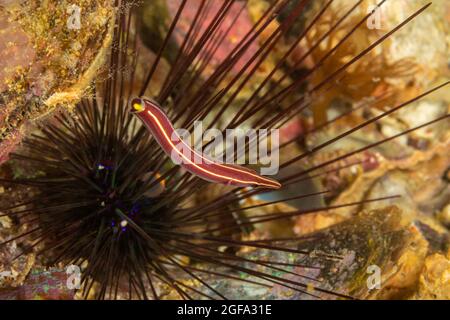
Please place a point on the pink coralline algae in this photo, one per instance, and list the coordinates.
(41, 285)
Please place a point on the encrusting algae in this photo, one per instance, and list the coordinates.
(49, 60)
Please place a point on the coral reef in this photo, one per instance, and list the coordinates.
(394, 248)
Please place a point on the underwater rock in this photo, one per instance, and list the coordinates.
(418, 179)
(444, 216)
(416, 114)
(12, 271)
(434, 281)
(41, 284)
(313, 222)
(426, 39)
(50, 53)
(372, 243)
(412, 60)
(423, 191)
(273, 229)
(345, 258)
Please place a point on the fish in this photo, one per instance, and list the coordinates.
(162, 129)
